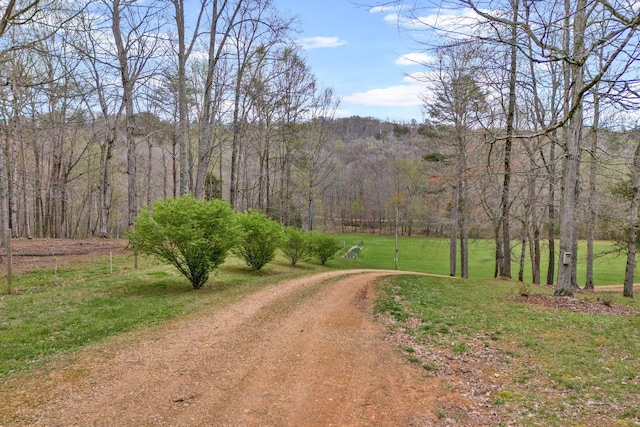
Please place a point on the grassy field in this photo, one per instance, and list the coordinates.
(431, 255)
(57, 312)
(64, 310)
(554, 367)
(553, 359)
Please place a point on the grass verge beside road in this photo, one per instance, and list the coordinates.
(535, 365)
(550, 364)
(60, 311)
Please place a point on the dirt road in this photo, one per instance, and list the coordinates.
(302, 353)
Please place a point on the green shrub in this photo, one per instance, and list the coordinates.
(261, 237)
(294, 245)
(322, 246)
(193, 235)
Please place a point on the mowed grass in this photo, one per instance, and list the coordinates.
(57, 312)
(554, 367)
(431, 255)
(60, 311)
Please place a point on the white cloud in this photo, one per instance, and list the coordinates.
(401, 95)
(415, 58)
(392, 18)
(385, 9)
(341, 112)
(320, 42)
(392, 13)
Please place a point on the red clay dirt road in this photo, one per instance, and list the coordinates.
(306, 352)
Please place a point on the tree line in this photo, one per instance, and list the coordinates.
(109, 105)
(539, 83)
(529, 132)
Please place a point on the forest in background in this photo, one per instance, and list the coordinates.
(529, 130)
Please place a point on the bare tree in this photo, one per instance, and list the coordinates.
(257, 39)
(224, 16)
(593, 157)
(545, 110)
(29, 18)
(296, 85)
(315, 162)
(16, 100)
(457, 99)
(185, 48)
(105, 112)
(575, 49)
(135, 30)
(505, 268)
(592, 213)
(634, 225)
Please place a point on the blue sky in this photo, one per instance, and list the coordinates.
(359, 52)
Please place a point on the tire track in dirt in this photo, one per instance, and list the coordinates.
(303, 352)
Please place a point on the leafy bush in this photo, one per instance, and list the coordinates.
(193, 235)
(261, 237)
(322, 246)
(294, 245)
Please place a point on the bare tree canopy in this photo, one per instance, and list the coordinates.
(111, 105)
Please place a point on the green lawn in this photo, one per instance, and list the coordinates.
(556, 367)
(54, 312)
(60, 311)
(580, 355)
(431, 255)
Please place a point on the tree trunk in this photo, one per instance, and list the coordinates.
(89, 203)
(311, 212)
(589, 284)
(551, 212)
(267, 174)
(498, 253)
(165, 175)
(4, 206)
(12, 160)
(235, 141)
(463, 226)
(55, 195)
(175, 160)
(591, 203)
(533, 230)
(13, 198)
(105, 185)
(183, 116)
(505, 270)
(633, 227)
(128, 82)
(132, 194)
(534, 249)
(148, 189)
(206, 125)
(464, 249)
(568, 208)
(453, 233)
(631, 259)
(38, 207)
(523, 251)
(24, 178)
